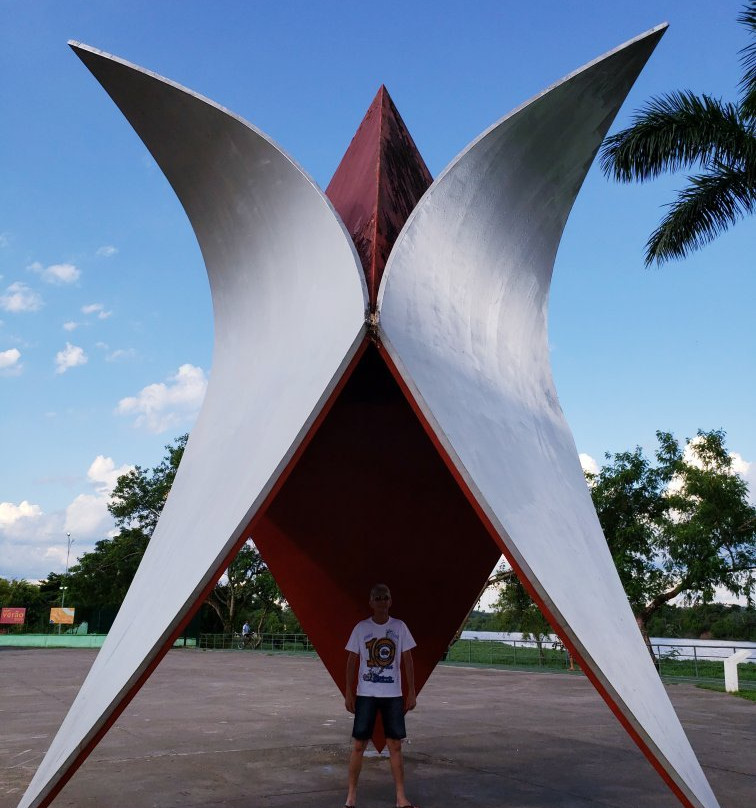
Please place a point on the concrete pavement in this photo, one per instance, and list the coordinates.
(245, 728)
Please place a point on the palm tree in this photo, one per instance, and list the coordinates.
(681, 130)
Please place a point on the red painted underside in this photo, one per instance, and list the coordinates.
(369, 501)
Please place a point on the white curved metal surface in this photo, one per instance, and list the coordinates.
(289, 301)
(463, 309)
(463, 315)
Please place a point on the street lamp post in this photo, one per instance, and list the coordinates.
(63, 588)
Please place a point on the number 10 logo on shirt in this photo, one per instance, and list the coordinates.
(381, 652)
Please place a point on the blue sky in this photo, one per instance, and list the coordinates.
(105, 316)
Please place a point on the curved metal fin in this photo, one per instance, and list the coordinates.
(289, 301)
(463, 310)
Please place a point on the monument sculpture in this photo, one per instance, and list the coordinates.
(381, 381)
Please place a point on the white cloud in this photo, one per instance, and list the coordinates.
(70, 326)
(117, 355)
(88, 514)
(32, 543)
(691, 457)
(98, 309)
(107, 251)
(9, 362)
(740, 466)
(749, 475)
(19, 298)
(29, 541)
(103, 474)
(56, 274)
(120, 354)
(4, 241)
(588, 463)
(159, 407)
(10, 513)
(69, 357)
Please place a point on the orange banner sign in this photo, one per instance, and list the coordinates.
(12, 615)
(62, 616)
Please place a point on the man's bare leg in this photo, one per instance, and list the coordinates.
(397, 769)
(355, 767)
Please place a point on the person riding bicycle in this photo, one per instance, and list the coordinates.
(246, 633)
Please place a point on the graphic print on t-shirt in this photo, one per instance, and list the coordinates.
(381, 653)
(380, 647)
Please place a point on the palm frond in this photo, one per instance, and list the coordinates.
(707, 207)
(675, 131)
(748, 60)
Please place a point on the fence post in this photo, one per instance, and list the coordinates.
(695, 661)
(731, 670)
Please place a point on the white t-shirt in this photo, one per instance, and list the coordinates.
(380, 647)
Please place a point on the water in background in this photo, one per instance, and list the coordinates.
(680, 649)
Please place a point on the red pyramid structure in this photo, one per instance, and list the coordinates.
(378, 183)
(370, 495)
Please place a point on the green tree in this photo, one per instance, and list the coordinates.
(138, 497)
(682, 130)
(103, 576)
(246, 590)
(719, 621)
(680, 527)
(23, 594)
(515, 610)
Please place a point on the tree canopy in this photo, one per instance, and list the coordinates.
(102, 577)
(682, 130)
(246, 588)
(679, 527)
(139, 495)
(516, 611)
(20, 593)
(682, 526)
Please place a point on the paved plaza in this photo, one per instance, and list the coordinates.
(245, 728)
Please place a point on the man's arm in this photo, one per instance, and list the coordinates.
(351, 671)
(410, 699)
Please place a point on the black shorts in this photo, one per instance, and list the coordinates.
(392, 712)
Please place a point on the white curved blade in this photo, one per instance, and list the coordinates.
(289, 300)
(463, 308)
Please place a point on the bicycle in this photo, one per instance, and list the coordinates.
(250, 640)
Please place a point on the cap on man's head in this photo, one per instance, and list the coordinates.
(379, 589)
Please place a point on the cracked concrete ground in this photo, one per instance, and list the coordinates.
(245, 728)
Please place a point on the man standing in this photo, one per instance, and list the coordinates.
(379, 646)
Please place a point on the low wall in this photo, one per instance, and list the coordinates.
(53, 640)
(69, 641)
